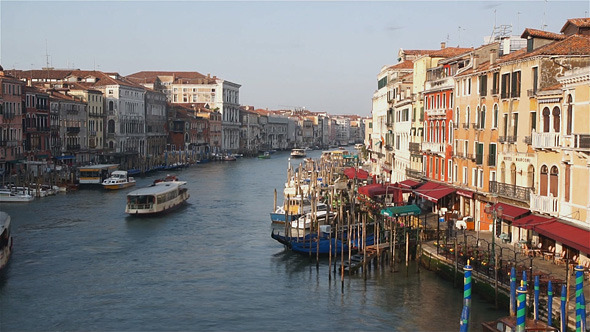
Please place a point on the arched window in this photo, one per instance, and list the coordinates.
(546, 124)
(111, 105)
(530, 176)
(457, 116)
(467, 116)
(554, 181)
(482, 118)
(556, 117)
(495, 118)
(431, 134)
(111, 126)
(513, 174)
(443, 134)
(544, 180)
(451, 132)
(477, 114)
(570, 114)
(436, 139)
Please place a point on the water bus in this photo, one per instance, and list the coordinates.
(157, 198)
(5, 239)
(298, 153)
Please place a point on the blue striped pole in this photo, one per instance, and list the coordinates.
(583, 312)
(513, 291)
(520, 308)
(579, 284)
(464, 326)
(549, 303)
(563, 317)
(524, 279)
(536, 298)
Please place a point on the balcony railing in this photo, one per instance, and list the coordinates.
(412, 173)
(546, 140)
(531, 93)
(510, 139)
(433, 147)
(544, 204)
(582, 141)
(511, 191)
(414, 147)
(470, 156)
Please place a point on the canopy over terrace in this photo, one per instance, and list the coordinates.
(433, 191)
(400, 211)
(361, 174)
(569, 235)
(378, 189)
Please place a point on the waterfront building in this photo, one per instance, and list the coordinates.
(213, 134)
(36, 124)
(96, 116)
(342, 130)
(72, 117)
(11, 124)
(192, 87)
(156, 115)
(377, 150)
(251, 129)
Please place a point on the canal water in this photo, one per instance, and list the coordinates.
(80, 263)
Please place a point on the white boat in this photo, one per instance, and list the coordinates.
(305, 221)
(157, 198)
(118, 180)
(7, 195)
(5, 239)
(298, 153)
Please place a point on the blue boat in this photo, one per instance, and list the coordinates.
(309, 243)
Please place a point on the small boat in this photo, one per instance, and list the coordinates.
(305, 221)
(508, 323)
(298, 153)
(158, 198)
(308, 244)
(168, 178)
(118, 180)
(265, 155)
(297, 208)
(5, 239)
(229, 157)
(10, 196)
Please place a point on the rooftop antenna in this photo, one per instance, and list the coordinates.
(459, 28)
(518, 21)
(543, 25)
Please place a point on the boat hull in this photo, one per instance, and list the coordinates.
(117, 186)
(279, 218)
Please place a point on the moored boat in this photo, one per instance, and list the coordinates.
(118, 180)
(157, 198)
(508, 323)
(10, 196)
(305, 221)
(265, 155)
(5, 239)
(298, 153)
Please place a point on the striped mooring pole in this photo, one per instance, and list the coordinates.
(563, 317)
(513, 291)
(464, 325)
(549, 303)
(536, 297)
(521, 307)
(579, 295)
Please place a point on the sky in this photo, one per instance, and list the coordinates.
(323, 56)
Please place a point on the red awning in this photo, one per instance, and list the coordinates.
(433, 191)
(511, 212)
(569, 235)
(530, 221)
(360, 174)
(377, 189)
(465, 193)
(409, 183)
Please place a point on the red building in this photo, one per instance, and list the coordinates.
(36, 124)
(11, 124)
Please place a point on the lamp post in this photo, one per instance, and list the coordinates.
(495, 213)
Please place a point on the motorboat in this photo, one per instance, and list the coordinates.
(118, 180)
(508, 323)
(5, 239)
(10, 196)
(305, 221)
(265, 155)
(298, 153)
(157, 198)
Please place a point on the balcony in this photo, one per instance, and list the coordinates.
(546, 140)
(544, 204)
(433, 147)
(511, 191)
(474, 126)
(73, 147)
(412, 173)
(414, 147)
(465, 126)
(73, 130)
(436, 112)
(582, 141)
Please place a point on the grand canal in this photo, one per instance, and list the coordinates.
(80, 263)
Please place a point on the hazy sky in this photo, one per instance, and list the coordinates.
(324, 56)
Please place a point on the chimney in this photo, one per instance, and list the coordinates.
(443, 45)
(475, 62)
(493, 56)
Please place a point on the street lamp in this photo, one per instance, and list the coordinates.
(496, 213)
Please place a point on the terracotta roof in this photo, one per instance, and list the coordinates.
(182, 77)
(56, 74)
(541, 34)
(576, 45)
(403, 65)
(450, 52)
(579, 22)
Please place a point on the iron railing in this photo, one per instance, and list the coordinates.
(512, 191)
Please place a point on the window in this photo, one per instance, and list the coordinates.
(546, 124)
(492, 154)
(443, 134)
(465, 147)
(556, 119)
(535, 79)
(570, 114)
(465, 175)
(450, 171)
(451, 132)
(515, 91)
(442, 169)
(515, 125)
(455, 172)
(483, 85)
(457, 116)
(495, 117)
(492, 175)
(495, 81)
(479, 154)
(482, 118)
(480, 178)
(554, 181)
(505, 85)
(474, 177)
(544, 180)
(467, 116)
